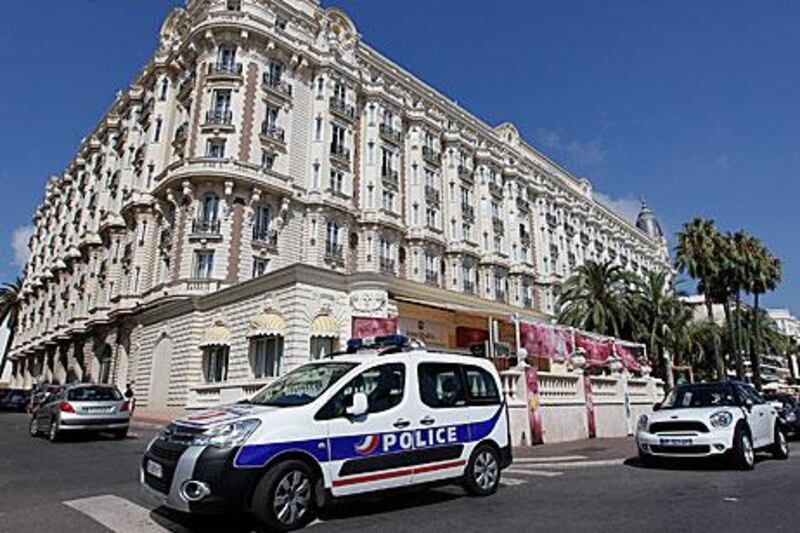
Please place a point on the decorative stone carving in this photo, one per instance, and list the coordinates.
(369, 302)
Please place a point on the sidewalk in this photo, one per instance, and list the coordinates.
(588, 449)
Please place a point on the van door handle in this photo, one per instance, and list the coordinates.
(427, 421)
(402, 423)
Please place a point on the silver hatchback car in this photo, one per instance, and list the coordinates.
(82, 407)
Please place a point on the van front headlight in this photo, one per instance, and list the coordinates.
(721, 419)
(642, 426)
(227, 435)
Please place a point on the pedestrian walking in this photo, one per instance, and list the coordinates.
(130, 396)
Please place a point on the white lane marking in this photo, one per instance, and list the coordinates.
(583, 464)
(540, 473)
(512, 481)
(117, 514)
(554, 459)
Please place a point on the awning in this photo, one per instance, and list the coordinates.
(267, 324)
(216, 336)
(324, 326)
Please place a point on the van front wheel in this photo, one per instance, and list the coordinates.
(284, 498)
(482, 476)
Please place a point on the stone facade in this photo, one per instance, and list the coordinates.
(265, 134)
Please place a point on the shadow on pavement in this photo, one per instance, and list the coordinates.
(716, 464)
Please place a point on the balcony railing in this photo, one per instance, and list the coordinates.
(387, 265)
(430, 155)
(431, 277)
(525, 238)
(495, 189)
(219, 117)
(551, 219)
(464, 172)
(334, 253)
(205, 227)
(390, 134)
(432, 194)
(523, 206)
(276, 85)
(341, 154)
(342, 108)
(265, 237)
(272, 132)
(469, 287)
(500, 296)
(569, 229)
(391, 178)
(224, 70)
(585, 239)
(467, 211)
(527, 302)
(497, 222)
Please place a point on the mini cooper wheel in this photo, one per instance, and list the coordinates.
(780, 444)
(646, 460)
(34, 427)
(284, 498)
(53, 433)
(483, 471)
(744, 455)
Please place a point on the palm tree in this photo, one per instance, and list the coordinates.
(656, 306)
(9, 311)
(697, 255)
(598, 297)
(765, 276)
(741, 243)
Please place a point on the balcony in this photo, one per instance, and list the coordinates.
(467, 212)
(585, 239)
(390, 178)
(527, 302)
(495, 190)
(499, 226)
(430, 155)
(334, 254)
(276, 86)
(224, 71)
(523, 206)
(342, 109)
(221, 119)
(551, 220)
(341, 155)
(569, 229)
(432, 277)
(391, 135)
(265, 238)
(525, 238)
(432, 194)
(500, 296)
(205, 228)
(464, 173)
(186, 86)
(387, 265)
(272, 133)
(469, 287)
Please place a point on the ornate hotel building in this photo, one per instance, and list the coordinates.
(270, 185)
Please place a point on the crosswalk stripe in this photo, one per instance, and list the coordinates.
(540, 473)
(511, 481)
(581, 464)
(117, 514)
(554, 459)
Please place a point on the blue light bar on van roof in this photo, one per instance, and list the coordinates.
(383, 341)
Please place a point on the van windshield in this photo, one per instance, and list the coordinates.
(303, 385)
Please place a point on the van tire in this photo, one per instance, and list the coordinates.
(292, 482)
(482, 476)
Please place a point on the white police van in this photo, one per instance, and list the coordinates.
(381, 416)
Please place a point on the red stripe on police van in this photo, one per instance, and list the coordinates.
(396, 473)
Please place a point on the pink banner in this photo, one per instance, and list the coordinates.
(590, 420)
(597, 351)
(542, 340)
(373, 327)
(632, 355)
(534, 417)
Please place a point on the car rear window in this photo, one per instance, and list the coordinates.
(94, 394)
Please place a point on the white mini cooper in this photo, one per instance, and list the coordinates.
(352, 423)
(712, 420)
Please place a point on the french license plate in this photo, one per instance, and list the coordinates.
(675, 442)
(155, 469)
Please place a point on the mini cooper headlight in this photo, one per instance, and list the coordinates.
(227, 435)
(721, 419)
(642, 426)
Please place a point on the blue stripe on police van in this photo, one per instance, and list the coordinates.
(353, 446)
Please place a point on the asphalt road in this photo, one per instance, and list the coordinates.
(79, 485)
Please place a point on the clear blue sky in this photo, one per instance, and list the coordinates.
(693, 105)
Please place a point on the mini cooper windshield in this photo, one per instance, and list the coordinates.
(699, 396)
(303, 385)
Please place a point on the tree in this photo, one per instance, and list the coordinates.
(656, 310)
(741, 244)
(696, 254)
(9, 311)
(598, 297)
(765, 275)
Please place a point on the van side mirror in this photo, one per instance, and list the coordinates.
(360, 405)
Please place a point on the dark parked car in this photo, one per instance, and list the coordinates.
(16, 400)
(789, 412)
